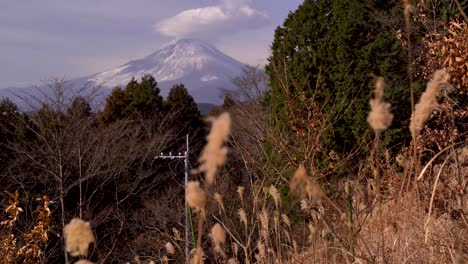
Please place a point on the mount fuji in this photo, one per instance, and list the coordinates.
(203, 69)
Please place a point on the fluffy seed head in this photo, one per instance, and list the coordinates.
(197, 255)
(78, 236)
(243, 217)
(275, 195)
(240, 191)
(217, 234)
(304, 185)
(286, 220)
(379, 117)
(261, 249)
(170, 248)
(219, 199)
(264, 221)
(195, 196)
(214, 154)
(305, 205)
(235, 249)
(426, 104)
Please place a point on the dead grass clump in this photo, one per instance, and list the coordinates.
(78, 236)
(404, 235)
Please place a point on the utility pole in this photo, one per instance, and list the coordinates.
(186, 170)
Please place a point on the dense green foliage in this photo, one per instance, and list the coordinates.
(138, 98)
(186, 115)
(181, 102)
(79, 107)
(14, 127)
(329, 51)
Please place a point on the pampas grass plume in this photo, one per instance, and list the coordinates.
(243, 216)
(214, 154)
(78, 236)
(195, 196)
(196, 256)
(261, 249)
(240, 191)
(264, 221)
(286, 220)
(170, 248)
(275, 195)
(379, 117)
(218, 236)
(219, 199)
(426, 104)
(304, 185)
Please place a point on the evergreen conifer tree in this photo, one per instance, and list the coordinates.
(328, 51)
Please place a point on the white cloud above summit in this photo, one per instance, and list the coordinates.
(212, 22)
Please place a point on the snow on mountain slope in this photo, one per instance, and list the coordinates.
(202, 68)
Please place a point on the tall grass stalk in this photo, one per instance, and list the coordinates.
(349, 204)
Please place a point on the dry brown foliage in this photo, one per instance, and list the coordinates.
(448, 49)
(29, 247)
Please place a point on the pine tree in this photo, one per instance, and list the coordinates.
(185, 116)
(8, 117)
(144, 96)
(14, 127)
(181, 101)
(116, 106)
(79, 108)
(139, 99)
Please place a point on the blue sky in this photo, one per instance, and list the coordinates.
(40, 39)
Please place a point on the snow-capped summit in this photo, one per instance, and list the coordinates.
(201, 67)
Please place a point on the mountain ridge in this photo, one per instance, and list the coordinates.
(200, 66)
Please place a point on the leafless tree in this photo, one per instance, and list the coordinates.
(89, 169)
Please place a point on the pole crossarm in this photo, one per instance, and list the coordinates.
(179, 156)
